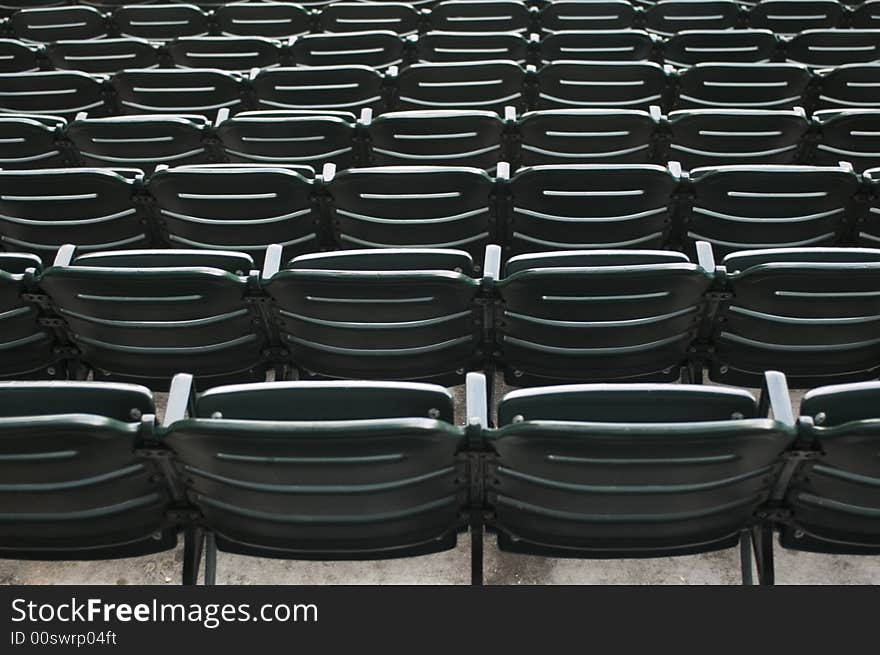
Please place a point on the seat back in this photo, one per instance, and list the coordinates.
(104, 56)
(379, 314)
(359, 470)
(824, 48)
(789, 17)
(73, 485)
(812, 313)
(57, 93)
(490, 86)
(598, 315)
(743, 86)
(866, 15)
(634, 470)
(693, 47)
(161, 22)
(339, 88)
(566, 15)
(481, 16)
(225, 52)
(44, 25)
(377, 49)
(852, 86)
(622, 85)
(178, 91)
(268, 19)
(30, 141)
(17, 57)
(868, 230)
(398, 17)
(472, 46)
(671, 16)
(597, 45)
(849, 135)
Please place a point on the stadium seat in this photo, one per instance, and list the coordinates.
(398, 17)
(825, 48)
(851, 86)
(142, 315)
(44, 25)
(490, 86)
(103, 56)
(598, 45)
(602, 315)
(412, 207)
(161, 22)
(809, 312)
(377, 49)
(41, 210)
(583, 207)
(744, 86)
(229, 207)
(868, 227)
(622, 85)
(565, 15)
(634, 470)
(752, 207)
(159, 91)
(583, 136)
(360, 470)
(31, 141)
(851, 135)
(709, 137)
(292, 137)
(693, 47)
(225, 53)
(59, 93)
(140, 141)
(788, 17)
(27, 347)
(472, 46)
(671, 16)
(17, 57)
(379, 314)
(338, 88)
(274, 20)
(441, 137)
(866, 15)
(74, 485)
(480, 16)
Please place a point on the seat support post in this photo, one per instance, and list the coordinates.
(193, 543)
(476, 549)
(210, 559)
(762, 540)
(745, 557)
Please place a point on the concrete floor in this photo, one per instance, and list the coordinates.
(452, 567)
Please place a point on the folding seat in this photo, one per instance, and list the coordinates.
(866, 15)
(602, 315)
(851, 135)
(833, 499)
(164, 91)
(58, 23)
(104, 56)
(472, 46)
(339, 88)
(565, 15)
(442, 137)
(31, 141)
(359, 470)
(378, 49)
(812, 313)
(142, 315)
(17, 57)
(623, 85)
(852, 86)
(161, 22)
(825, 48)
(59, 93)
(225, 53)
(579, 136)
(868, 226)
(635, 470)
(671, 16)
(721, 46)
(384, 314)
(229, 207)
(590, 206)
(792, 16)
(744, 86)
(289, 138)
(481, 16)
(8, 7)
(598, 45)
(27, 346)
(140, 141)
(74, 484)
(398, 17)
(711, 137)
(272, 20)
(752, 207)
(413, 207)
(490, 85)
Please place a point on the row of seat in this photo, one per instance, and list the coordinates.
(428, 315)
(283, 20)
(489, 86)
(564, 207)
(693, 138)
(359, 470)
(381, 49)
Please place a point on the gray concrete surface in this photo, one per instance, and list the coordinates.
(452, 567)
